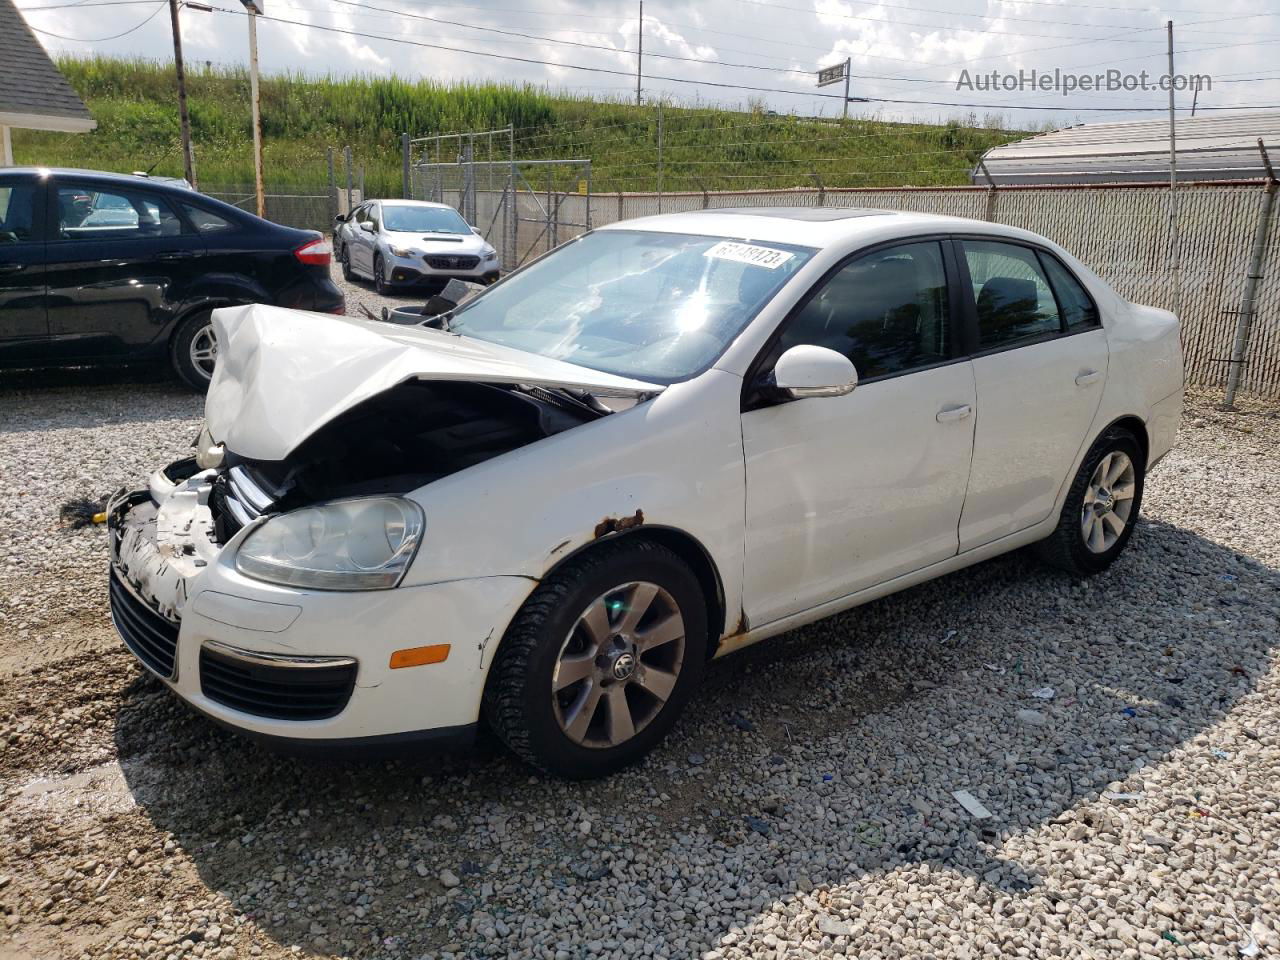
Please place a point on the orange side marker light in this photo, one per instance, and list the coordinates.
(420, 656)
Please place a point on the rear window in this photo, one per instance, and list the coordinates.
(206, 221)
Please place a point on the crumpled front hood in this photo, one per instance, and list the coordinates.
(282, 374)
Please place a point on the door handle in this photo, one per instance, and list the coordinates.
(1088, 377)
(949, 414)
(12, 267)
(175, 255)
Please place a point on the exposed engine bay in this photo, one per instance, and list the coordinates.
(402, 439)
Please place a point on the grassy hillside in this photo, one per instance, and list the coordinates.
(135, 106)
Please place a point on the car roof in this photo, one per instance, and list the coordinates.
(416, 203)
(815, 227)
(168, 184)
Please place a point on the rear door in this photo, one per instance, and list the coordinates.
(24, 324)
(120, 263)
(1040, 363)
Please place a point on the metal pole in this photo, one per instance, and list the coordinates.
(588, 194)
(407, 187)
(346, 165)
(990, 215)
(257, 114)
(333, 185)
(1249, 298)
(659, 156)
(184, 119)
(639, 52)
(1175, 264)
(6, 147)
(848, 66)
(513, 212)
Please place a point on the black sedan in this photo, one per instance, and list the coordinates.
(110, 268)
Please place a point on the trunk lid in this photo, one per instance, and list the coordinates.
(282, 374)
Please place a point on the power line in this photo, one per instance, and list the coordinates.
(685, 80)
(115, 36)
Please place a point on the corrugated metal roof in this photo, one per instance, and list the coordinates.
(1209, 148)
(30, 85)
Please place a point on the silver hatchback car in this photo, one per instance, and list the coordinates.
(411, 243)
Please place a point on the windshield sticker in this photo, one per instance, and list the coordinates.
(765, 257)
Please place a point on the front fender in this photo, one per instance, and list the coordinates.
(673, 462)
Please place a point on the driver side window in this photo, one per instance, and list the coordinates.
(886, 311)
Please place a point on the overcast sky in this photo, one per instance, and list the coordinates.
(908, 50)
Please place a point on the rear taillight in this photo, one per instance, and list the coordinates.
(317, 252)
(340, 310)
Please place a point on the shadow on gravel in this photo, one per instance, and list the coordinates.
(832, 751)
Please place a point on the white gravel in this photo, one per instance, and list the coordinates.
(804, 807)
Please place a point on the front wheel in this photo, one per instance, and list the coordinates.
(600, 661)
(1101, 509)
(193, 352)
(344, 257)
(379, 276)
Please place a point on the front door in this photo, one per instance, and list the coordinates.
(847, 492)
(119, 264)
(24, 324)
(1040, 367)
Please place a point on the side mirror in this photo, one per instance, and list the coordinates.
(476, 231)
(340, 218)
(366, 226)
(810, 371)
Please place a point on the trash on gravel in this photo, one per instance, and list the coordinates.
(1112, 795)
(1044, 693)
(697, 759)
(759, 825)
(82, 512)
(972, 804)
(1032, 718)
(1129, 712)
(993, 668)
(1220, 754)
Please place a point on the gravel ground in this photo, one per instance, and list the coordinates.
(803, 807)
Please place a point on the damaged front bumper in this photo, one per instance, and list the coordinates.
(296, 667)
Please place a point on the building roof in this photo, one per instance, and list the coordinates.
(1214, 147)
(33, 92)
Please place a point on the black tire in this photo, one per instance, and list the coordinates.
(180, 358)
(379, 278)
(344, 258)
(518, 699)
(1067, 548)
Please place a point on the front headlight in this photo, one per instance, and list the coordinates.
(359, 544)
(209, 455)
(401, 251)
(490, 253)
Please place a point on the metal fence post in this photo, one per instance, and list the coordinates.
(406, 186)
(990, 212)
(588, 217)
(346, 163)
(333, 187)
(822, 187)
(659, 156)
(1249, 297)
(513, 209)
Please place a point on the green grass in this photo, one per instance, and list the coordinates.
(704, 148)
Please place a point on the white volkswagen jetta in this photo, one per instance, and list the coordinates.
(666, 440)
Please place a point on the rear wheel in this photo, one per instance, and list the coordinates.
(193, 352)
(1101, 508)
(600, 661)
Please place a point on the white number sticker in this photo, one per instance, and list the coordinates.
(765, 257)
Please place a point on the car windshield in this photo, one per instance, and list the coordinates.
(654, 306)
(423, 220)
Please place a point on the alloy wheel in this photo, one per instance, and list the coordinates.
(203, 351)
(1108, 501)
(619, 665)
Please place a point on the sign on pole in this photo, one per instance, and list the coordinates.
(830, 75)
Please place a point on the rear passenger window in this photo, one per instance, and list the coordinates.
(1013, 298)
(17, 206)
(1078, 308)
(886, 311)
(206, 221)
(85, 213)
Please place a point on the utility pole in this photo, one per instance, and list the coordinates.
(848, 66)
(184, 119)
(1175, 254)
(639, 52)
(254, 7)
